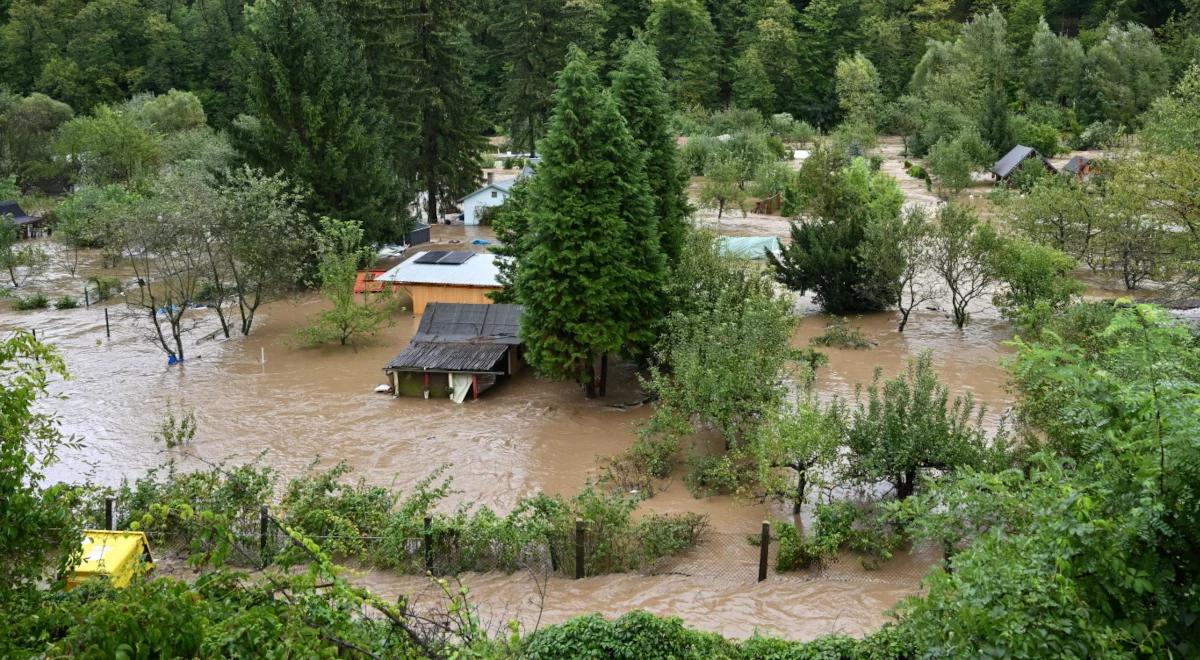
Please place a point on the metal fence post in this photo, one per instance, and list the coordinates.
(87, 301)
(764, 548)
(427, 541)
(110, 520)
(264, 523)
(579, 537)
(107, 331)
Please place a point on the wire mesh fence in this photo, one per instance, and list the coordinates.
(258, 541)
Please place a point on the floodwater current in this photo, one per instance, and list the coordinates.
(301, 404)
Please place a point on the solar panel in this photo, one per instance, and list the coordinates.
(456, 258)
(431, 257)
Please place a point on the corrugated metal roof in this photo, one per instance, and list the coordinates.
(480, 270)
(449, 357)
(470, 323)
(1076, 165)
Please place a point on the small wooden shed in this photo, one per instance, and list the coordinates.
(1006, 166)
(458, 350)
(27, 225)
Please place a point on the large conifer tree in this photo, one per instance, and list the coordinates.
(639, 89)
(589, 269)
(308, 88)
(416, 50)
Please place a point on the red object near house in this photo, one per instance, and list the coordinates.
(366, 282)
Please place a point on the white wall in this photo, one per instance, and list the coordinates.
(471, 205)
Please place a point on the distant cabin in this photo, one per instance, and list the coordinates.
(459, 350)
(446, 277)
(1079, 167)
(492, 194)
(27, 226)
(1006, 166)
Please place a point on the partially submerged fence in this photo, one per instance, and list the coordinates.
(730, 557)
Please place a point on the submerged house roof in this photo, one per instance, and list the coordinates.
(458, 268)
(461, 337)
(19, 216)
(1076, 165)
(1013, 159)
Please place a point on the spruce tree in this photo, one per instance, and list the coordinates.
(416, 54)
(307, 89)
(639, 89)
(535, 35)
(590, 269)
(683, 33)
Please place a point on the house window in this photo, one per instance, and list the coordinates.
(493, 194)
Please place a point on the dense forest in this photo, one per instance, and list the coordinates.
(407, 91)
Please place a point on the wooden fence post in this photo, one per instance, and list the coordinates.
(579, 538)
(264, 523)
(110, 520)
(427, 541)
(764, 548)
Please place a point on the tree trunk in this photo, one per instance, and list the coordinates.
(904, 318)
(801, 486)
(603, 375)
(906, 484)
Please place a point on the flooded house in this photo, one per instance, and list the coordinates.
(27, 226)
(459, 350)
(1008, 165)
(446, 277)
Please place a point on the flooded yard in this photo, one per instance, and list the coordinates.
(304, 404)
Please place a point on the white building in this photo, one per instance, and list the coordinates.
(492, 194)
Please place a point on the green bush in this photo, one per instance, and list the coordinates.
(106, 287)
(33, 301)
(712, 475)
(840, 334)
(796, 552)
(66, 302)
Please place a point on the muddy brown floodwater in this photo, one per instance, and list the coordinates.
(307, 404)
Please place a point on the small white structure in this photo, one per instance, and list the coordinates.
(492, 194)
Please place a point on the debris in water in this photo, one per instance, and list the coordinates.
(382, 389)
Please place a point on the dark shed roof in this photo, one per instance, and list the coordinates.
(422, 355)
(1076, 165)
(461, 337)
(1013, 159)
(19, 216)
(472, 323)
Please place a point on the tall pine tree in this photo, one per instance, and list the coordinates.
(416, 50)
(639, 89)
(683, 33)
(589, 269)
(307, 89)
(535, 35)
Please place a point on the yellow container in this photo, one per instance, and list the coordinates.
(114, 556)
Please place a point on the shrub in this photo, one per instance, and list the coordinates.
(712, 475)
(1099, 135)
(106, 287)
(66, 302)
(796, 553)
(34, 301)
(840, 334)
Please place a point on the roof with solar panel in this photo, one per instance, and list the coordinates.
(455, 268)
